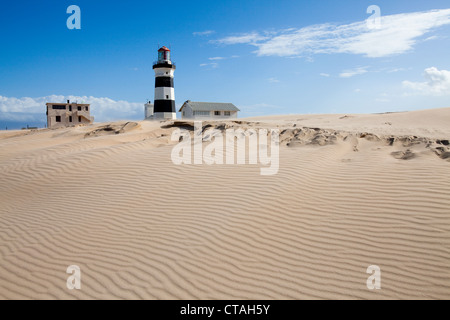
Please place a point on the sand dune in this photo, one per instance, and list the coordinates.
(351, 191)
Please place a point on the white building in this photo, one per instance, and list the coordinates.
(148, 108)
(208, 110)
(68, 114)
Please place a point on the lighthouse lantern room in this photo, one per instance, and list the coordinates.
(163, 54)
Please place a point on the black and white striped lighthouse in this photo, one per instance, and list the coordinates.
(164, 107)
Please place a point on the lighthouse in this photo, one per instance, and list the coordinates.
(164, 107)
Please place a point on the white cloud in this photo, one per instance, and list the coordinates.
(213, 65)
(393, 70)
(273, 80)
(325, 75)
(431, 38)
(103, 109)
(204, 33)
(397, 34)
(21, 117)
(248, 38)
(216, 64)
(354, 72)
(437, 83)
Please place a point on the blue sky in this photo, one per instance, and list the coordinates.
(266, 57)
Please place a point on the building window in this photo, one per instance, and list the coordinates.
(70, 108)
(201, 113)
(79, 119)
(79, 108)
(217, 113)
(87, 108)
(58, 107)
(183, 114)
(227, 113)
(58, 118)
(167, 96)
(70, 118)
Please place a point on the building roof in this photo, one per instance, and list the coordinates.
(163, 48)
(210, 106)
(67, 103)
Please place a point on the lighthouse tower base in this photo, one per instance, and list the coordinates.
(165, 115)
